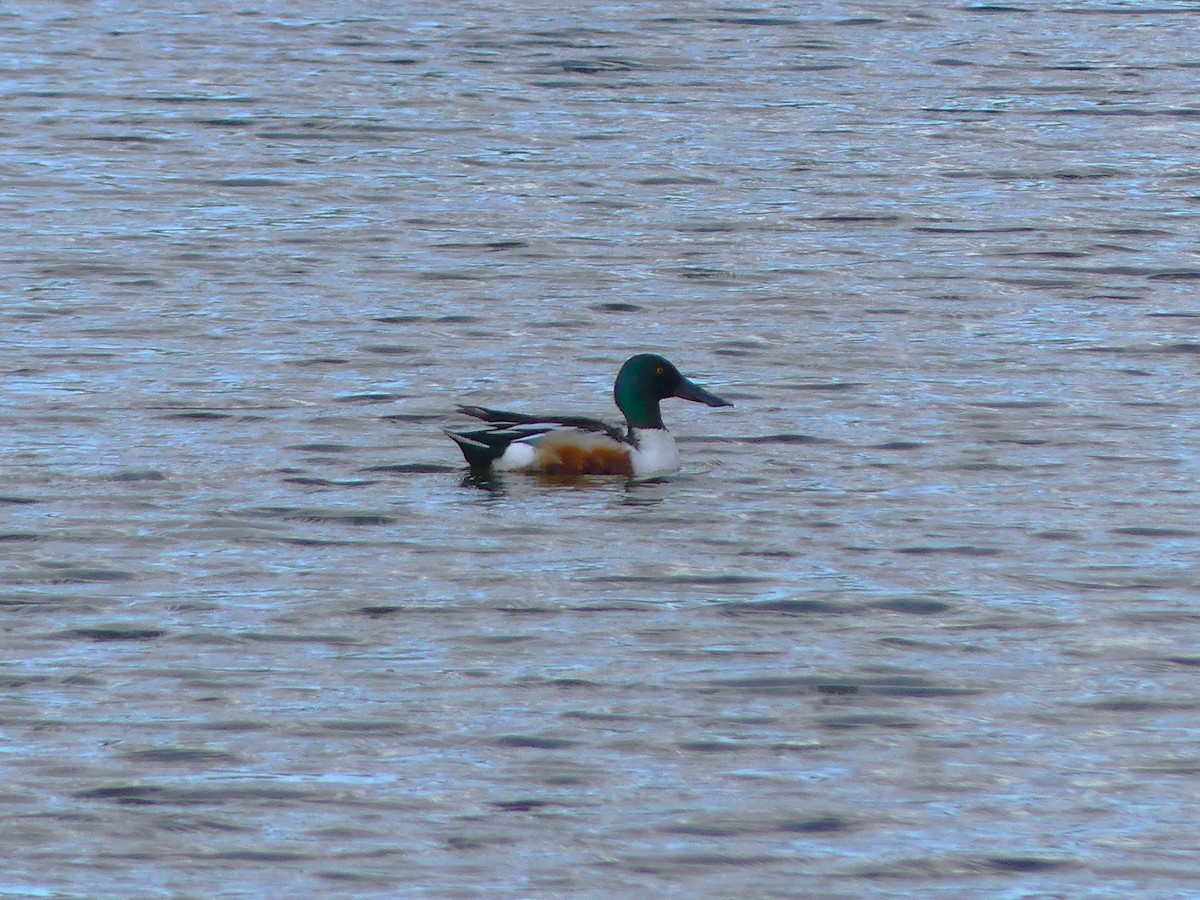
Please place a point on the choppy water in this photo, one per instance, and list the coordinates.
(920, 613)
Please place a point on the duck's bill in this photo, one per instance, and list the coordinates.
(687, 390)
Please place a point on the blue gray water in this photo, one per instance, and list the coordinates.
(919, 615)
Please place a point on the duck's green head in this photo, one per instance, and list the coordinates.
(646, 379)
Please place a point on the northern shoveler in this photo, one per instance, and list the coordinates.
(574, 445)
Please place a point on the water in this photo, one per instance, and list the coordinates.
(919, 614)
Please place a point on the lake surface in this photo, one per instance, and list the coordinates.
(918, 616)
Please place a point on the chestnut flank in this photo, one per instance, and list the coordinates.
(583, 454)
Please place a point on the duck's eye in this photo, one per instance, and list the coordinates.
(661, 370)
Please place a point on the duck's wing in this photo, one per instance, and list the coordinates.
(522, 426)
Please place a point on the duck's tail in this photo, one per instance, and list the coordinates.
(477, 454)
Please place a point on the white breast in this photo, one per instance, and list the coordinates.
(655, 454)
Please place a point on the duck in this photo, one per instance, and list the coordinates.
(577, 445)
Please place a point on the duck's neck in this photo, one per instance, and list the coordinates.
(641, 412)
